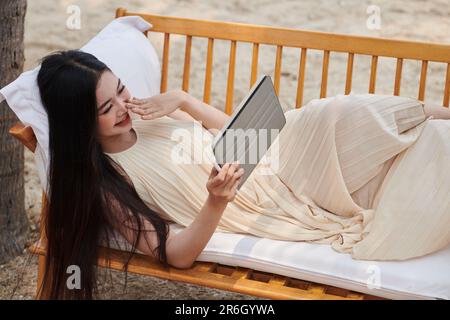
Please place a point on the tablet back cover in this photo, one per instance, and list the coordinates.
(252, 128)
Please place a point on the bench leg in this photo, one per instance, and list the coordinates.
(40, 292)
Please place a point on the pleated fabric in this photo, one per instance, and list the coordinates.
(413, 204)
(318, 181)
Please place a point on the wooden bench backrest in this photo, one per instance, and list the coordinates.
(283, 37)
(304, 40)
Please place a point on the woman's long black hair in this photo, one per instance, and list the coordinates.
(85, 185)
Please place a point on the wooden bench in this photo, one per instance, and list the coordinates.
(238, 279)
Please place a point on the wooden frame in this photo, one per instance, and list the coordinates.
(238, 279)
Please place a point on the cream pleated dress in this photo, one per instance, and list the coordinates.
(321, 180)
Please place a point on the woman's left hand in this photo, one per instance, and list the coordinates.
(158, 105)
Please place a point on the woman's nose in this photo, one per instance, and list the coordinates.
(122, 103)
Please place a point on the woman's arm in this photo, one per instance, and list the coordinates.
(211, 117)
(178, 104)
(182, 248)
(180, 115)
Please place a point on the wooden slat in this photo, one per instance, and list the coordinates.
(40, 292)
(349, 76)
(187, 63)
(202, 274)
(301, 78)
(277, 71)
(143, 265)
(337, 291)
(445, 102)
(317, 289)
(230, 82)
(241, 273)
(278, 280)
(288, 37)
(203, 266)
(165, 63)
(398, 76)
(120, 12)
(254, 72)
(423, 80)
(323, 86)
(373, 74)
(208, 72)
(43, 217)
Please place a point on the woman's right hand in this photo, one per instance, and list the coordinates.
(222, 186)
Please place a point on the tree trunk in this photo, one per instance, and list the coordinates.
(13, 220)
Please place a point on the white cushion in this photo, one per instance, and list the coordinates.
(122, 46)
(421, 278)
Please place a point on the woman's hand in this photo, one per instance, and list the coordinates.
(158, 105)
(222, 185)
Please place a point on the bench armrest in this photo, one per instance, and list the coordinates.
(25, 135)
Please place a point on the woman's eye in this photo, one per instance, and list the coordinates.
(109, 108)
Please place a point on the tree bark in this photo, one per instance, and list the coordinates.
(14, 226)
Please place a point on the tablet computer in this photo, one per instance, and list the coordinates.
(251, 129)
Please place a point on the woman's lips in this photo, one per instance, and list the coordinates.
(124, 122)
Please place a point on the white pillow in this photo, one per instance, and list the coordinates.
(122, 46)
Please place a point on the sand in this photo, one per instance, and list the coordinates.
(46, 31)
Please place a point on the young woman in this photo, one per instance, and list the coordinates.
(89, 193)
(109, 172)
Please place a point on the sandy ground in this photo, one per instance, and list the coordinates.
(46, 31)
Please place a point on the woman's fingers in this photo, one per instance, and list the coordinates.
(152, 115)
(231, 176)
(141, 104)
(213, 172)
(136, 110)
(237, 175)
(144, 111)
(132, 105)
(148, 113)
(220, 177)
(230, 173)
(235, 185)
(214, 178)
(225, 174)
(225, 182)
(137, 101)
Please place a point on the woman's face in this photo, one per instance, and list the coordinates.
(113, 116)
